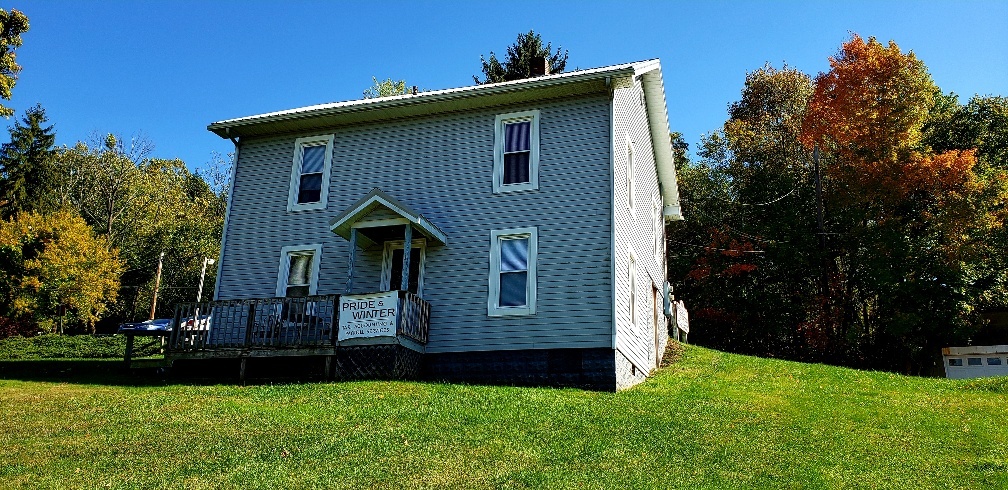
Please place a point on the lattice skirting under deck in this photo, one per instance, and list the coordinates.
(376, 362)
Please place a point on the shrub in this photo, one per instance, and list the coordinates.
(52, 346)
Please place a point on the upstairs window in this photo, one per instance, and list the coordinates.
(513, 272)
(630, 177)
(309, 185)
(516, 152)
(299, 269)
(659, 231)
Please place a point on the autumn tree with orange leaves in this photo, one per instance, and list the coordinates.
(915, 190)
(912, 226)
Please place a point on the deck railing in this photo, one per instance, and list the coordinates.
(414, 317)
(278, 323)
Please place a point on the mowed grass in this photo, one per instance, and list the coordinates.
(712, 420)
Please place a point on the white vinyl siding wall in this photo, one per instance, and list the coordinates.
(635, 231)
(411, 159)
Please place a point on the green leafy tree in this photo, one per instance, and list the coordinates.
(385, 88)
(28, 175)
(54, 270)
(146, 206)
(12, 25)
(746, 254)
(521, 59)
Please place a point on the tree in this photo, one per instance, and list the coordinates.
(145, 206)
(27, 170)
(521, 60)
(914, 227)
(104, 183)
(747, 253)
(12, 25)
(385, 88)
(53, 269)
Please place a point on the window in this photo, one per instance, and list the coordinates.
(659, 231)
(309, 185)
(993, 361)
(299, 270)
(392, 266)
(955, 362)
(516, 152)
(630, 174)
(632, 281)
(974, 361)
(513, 272)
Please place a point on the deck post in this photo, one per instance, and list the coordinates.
(328, 366)
(249, 325)
(241, 370)
(353, 251)
(407, 251)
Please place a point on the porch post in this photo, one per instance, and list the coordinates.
(407, 249)
(353, 252)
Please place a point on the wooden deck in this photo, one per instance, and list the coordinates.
(280, 327)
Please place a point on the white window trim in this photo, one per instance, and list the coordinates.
(386, 276)
(659, 228)
(295, 179)
(632, 288)
(284, 268)
(493, 298)
(631, 153)
(498, 169)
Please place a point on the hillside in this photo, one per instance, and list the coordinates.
(712, 420)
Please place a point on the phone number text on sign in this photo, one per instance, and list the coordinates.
(368, 315)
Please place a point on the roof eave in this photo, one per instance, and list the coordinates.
(657, 113)
(453, 99)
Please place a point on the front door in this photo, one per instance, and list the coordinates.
(392, 266)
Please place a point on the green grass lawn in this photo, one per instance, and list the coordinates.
(712, 420)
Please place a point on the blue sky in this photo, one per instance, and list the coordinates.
(167, 69)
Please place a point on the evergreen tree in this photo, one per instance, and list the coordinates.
(27, 173)
(521, 59)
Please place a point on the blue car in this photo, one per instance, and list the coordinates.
(160, 324)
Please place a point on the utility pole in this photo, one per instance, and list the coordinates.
(199, 292)
(157, 284)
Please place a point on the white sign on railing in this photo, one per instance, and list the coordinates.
(368, 315)
(682, 316)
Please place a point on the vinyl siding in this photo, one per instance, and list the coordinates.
(441, 166)
(636, 230)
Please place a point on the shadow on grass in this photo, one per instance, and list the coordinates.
(112, 372)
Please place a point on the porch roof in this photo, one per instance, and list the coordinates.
(355, 216)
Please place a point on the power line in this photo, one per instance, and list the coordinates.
(767, 203)
(707, 247)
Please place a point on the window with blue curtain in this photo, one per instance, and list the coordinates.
(513, 272)
(517, 152)
(312, 166)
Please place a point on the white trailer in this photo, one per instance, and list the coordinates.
(976, 361)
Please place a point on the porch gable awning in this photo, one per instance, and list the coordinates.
(358, 215)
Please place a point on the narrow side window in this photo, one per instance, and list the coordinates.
(512, 272)
(659, 230)
(516, 152)
(632, 281)
(309, 184)
(630, 174)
